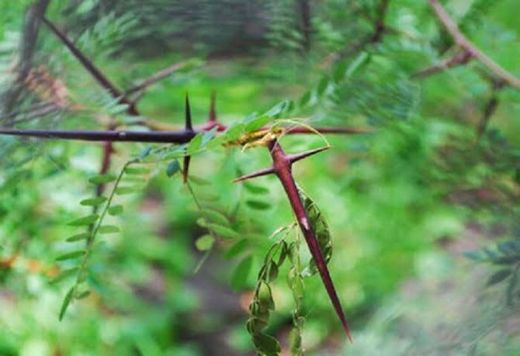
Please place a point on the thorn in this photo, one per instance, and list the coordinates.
(188, 123)
(185, 168)
(300, 156)
(212, 111)
(262, 172)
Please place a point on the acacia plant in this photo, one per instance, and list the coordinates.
(373, 77)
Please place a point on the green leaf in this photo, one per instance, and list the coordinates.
(64, 274)
(78, 237)
(82, 295)
(66, 302)
(277, 109)
(305, 99)
(115, 210)
(108, 229)
(173, 167)
(257, 123)
(259, 205)
(241, 273)
(266, 344)
(93, 201)
(86, 220)
(235, 131)
(498, 277)
(70, 255)
(223, 231)
(322, 86)
(127, 190)
(137, 170)
(102, 179)
(194, 144)
(205, 242)
(255, 189)
(215, 216)
(199, 181)
(237, 248)
(265, 296)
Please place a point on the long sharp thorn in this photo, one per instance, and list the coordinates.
(189, 127)
(91, 67)
(286, 179)
(300, 156)
(262, 172)
(187, 118)
(124, 136)
(185, 168)
(212, 108)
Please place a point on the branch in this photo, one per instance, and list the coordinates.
(28, 44)
(92, 69)
(459, 38)
(458, 59)
(154, 78)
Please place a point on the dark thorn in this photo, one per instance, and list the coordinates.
(91, 68)
(300, 156)
(259, 173)
(181, 136)
(185, 168)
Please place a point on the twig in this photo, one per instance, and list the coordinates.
(458, 59)
(154, 78)
(452, 28)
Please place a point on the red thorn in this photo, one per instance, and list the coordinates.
(300, 156)
(262, 172)
(212, 108)
(185, 168)
(187, 118)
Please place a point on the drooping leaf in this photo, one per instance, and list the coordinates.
(173, 167)
(66, 302)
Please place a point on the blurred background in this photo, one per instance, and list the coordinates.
(423, 210)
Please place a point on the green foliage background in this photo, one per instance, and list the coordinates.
(403, 203)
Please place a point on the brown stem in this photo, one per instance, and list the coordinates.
(282, 167)
(458, 59)
(451, 27)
